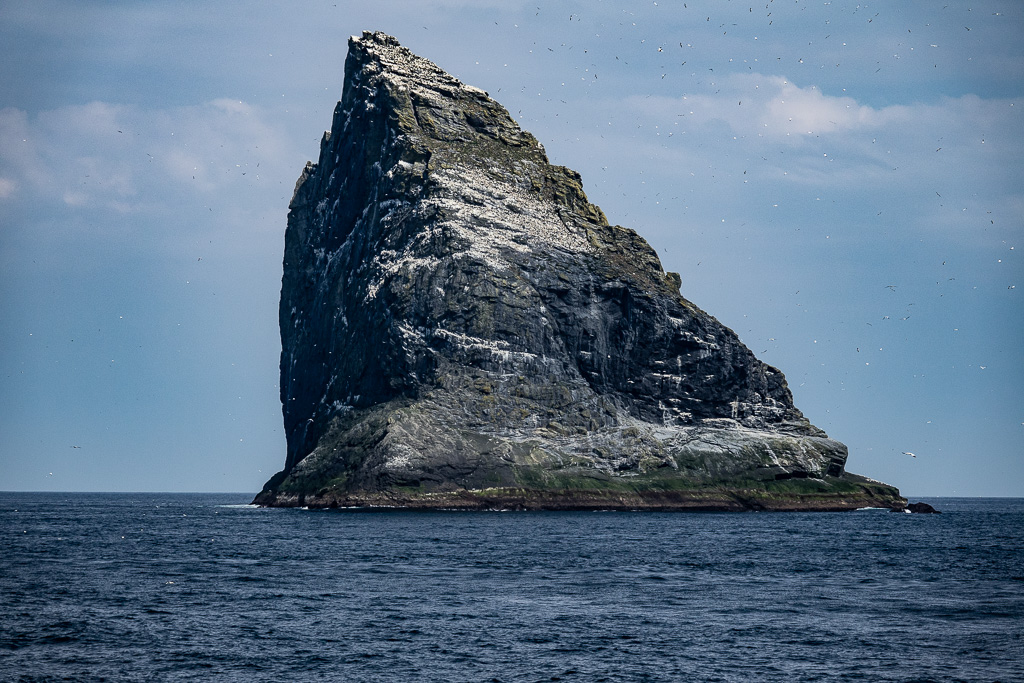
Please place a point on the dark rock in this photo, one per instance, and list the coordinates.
(461, 327)
(922, 508)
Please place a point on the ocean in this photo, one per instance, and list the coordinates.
(186, 587)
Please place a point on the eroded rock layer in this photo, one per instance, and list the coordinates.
(462, 328)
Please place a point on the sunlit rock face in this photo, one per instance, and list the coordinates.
(462, 328)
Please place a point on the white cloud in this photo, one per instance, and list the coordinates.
(942, 168)
(124, 157)
(816, 138)
(72, 198)
(793, 110)
(18, 142)
(773, 107)
(233, 106)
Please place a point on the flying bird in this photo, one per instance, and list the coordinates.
(909, 453)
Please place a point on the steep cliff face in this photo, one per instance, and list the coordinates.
(461, 327)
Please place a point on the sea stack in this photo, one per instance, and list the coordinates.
(462, 329)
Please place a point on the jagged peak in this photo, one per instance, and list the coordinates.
(439, 115)
(377, 53)
(422, 99)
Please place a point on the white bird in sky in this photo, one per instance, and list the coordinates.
(909, 453)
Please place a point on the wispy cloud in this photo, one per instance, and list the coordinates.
(770, 128)
(126, 158)
(7, 188)
(775, 107)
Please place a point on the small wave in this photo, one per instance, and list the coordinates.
(241, 506)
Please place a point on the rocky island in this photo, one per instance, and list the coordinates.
(462, 329)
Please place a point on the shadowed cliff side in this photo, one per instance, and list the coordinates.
(462, 328)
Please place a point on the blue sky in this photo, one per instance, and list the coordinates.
(839, 182)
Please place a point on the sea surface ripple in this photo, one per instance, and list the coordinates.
(183, 587)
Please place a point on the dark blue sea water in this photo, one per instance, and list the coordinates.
(179, 587)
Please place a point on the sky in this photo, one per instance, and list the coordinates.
(841, 183)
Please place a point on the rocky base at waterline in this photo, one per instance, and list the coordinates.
(845, 493)
(461, 328)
